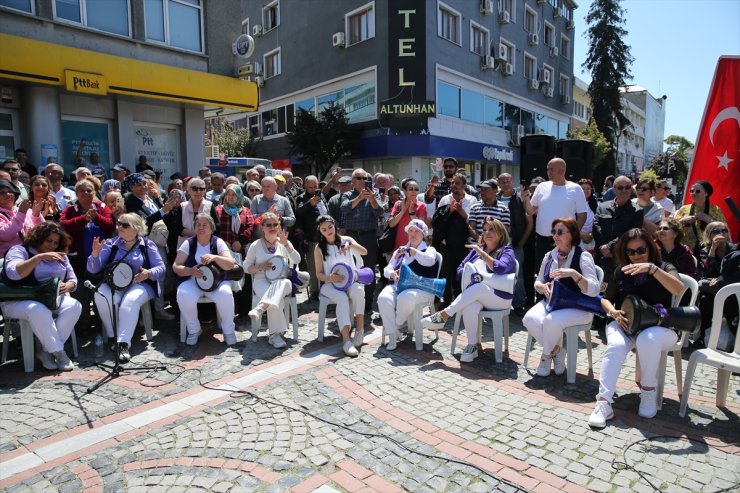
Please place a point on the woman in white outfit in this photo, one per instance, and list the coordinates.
(575, 268)
(395, 307)
(133, 248)
(42, 257)
(639, 272)
(332, 248)
(203, 249)
(271, 294)
(494, 254)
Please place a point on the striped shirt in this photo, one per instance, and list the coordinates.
(480, 211)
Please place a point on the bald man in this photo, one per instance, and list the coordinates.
(269, 200)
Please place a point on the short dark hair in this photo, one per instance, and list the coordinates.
(21, 149)
(40, 233)
(646, 181)
(462, 177)
(572, 226)
(635, 234)
(450, 159)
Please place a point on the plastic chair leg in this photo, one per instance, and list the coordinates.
(498, 338)
(571, 347)
(294, 315)
(455, 331)
(322, 317)
(677, 360)
(74, 343)
(183, 330)
(687, 386)
(146, 315)
(588, 350)
(27, 343)
(6, 336)
(526, 350)
(723, 382)
(661, 378)
(505, 321)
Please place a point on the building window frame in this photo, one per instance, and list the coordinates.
(509, 6)
(369, 9)
(166, 20)
(82, 6)
(444, 10)
(245, 26)
(31, 5)
(564, 85)
(529, 12)
(551, 29)
(275, 63)
(512, 51)
(459, 99)
(478, 31)
(564, 46)
(266, 15)
(548, 68)
(530, 66)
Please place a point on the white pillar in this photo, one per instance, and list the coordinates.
(41, 121)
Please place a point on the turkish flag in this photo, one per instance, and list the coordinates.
(717, 153)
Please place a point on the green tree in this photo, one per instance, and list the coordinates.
(324, 140)
(679, 145)
(670, 165)
(649, 174)
(602, 149)
(609, 62)
(233, 141)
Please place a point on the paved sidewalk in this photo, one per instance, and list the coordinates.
(306, 418)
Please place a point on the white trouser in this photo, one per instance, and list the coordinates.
(470, 302)
(355, 294)
(51, 331)
(188, 294)
(547, 328)
(650, 343)
(273, 294)
(159, 300)
(395, 307)
(129, 303)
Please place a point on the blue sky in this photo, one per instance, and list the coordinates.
(676, 44)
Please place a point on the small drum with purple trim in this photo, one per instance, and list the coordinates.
(364, 275)
(211, 276)
(278, 270)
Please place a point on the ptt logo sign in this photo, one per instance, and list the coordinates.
(85, 82)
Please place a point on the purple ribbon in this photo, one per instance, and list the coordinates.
(661, 310)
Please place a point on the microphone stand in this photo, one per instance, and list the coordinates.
(115, 370)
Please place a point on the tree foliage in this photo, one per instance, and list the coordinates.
(231, 140)
(679, 145)
(649, 174)
(602, 149)
(670, 165)
(323, 141)
(609, 62)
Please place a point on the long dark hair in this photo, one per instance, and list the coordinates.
(323, 244)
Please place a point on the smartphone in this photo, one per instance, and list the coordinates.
(176, 193)
(381, 190)
(119, 202)
(317, 193)
(368, 185)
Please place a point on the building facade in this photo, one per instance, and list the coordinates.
(120, 79)
(423, 78)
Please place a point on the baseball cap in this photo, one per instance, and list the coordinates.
(345, 179)
(488, 184)
(280, 178)
(120, 167)
(150, 174)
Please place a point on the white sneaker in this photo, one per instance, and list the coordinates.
(433, 322)
(350, 349)
(276, 340)
(392, 342)
(256, 315)
(545, 363)
(47, 360)
(63, 362)
(648, 403)
(601, 414)
(358, 338)
(163, 315)
(470, 353)
(560, 362)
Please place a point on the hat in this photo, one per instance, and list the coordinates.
(176, 176)
(120, 167)
(280, 178)
(150, 174)
(488, 184)
(98, 171)
(187, 179)
(109, 185)
(418, 224)
(345, 179)
(133, 179)
(11, 187)
(706, 186)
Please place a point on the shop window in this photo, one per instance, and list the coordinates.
(307, 105)
(176, 23)
(272, 64)
(512, 116)
(271, 16)
(254, 127)
(527, 119)
(448, 99)
(269, 122)
(472, 106)
(24, 5)
(494, 112)
(359, 102)
(360, 24)
(111, 16)
(327, 100)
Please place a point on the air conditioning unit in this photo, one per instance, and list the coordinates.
(554, 51)
(257, 68)
(565, 98)
(534, 39)
(549, 92)
(517, 132)
(508, 69)
(211, 152)
(570, 25)
(504, 17)
(256, 30)
(488, 63)
(534, 84)
(337, 39)
(503, 52)
(486, 7)
(545, 76)
(260, 81)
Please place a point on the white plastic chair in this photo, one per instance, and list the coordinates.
(183, 326)
(290, 310)
(27, 343)
(413, 322)
(725, 362)
(500, 322)
(324, 301)
(571, 341)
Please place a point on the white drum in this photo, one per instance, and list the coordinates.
(278, 270)
(121, 276)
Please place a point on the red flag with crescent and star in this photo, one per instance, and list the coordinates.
(717, 152)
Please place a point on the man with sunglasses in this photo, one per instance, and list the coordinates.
(309, 206)
(14, 170)
(661, 197)
(444, 187)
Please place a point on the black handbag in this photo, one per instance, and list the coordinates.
(387, 240)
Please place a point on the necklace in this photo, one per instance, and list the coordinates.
(271, 247)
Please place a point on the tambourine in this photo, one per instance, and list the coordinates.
(211, 276)
(365, 275)
(121, 276)
(278, 269)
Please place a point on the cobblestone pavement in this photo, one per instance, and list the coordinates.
(306, 418)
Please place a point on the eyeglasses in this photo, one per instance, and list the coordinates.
(270, 225)
(695, 191)
(197, 189)
(123, 225)
(558, 232)
(720, 231)
(665, 228)
(637, 251)
(254, 190)
(643, 189)
(623, 188)
(361, 178)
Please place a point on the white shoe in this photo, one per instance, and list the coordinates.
(350, 349)
(392, 342)
(601, 414)
(358, 338)
(560, 362)
(256, 315)
(648, 403)
(470, 353)
(276, 340)
(545, 363)
(63, 362)
(433, 322)
(163, 315)
(47, 360)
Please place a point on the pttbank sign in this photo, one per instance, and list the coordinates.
(85, 82)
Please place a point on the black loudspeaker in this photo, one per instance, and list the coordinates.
(535, 152)
(578, 156)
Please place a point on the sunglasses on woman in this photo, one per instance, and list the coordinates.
(270, 225)
(720, 231)
(198, 189)
(123, 225)
(558, 232)
(665, 228)
(637, 251)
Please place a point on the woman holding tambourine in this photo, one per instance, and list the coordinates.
(202, 260)
(133, 266)
(575, 268)
(268, 260)
(395, 307)
(492, 255)
(639, 272)
(332, 256)
(37, 261)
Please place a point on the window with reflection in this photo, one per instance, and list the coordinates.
(360, 24)
(359, 101)
(272, 64)
(254, 126)
(494, 112)
(448, 99)
(327, 100)
(111, 16)
(472, 106)
(308, 105)
(512, 116)
(269, 122)
(527, 119)
(24, 5)
(177, 23)
(540, 124)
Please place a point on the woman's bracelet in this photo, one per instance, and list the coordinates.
(653, 269)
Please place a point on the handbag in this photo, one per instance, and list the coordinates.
(387, 239)
(159, 233)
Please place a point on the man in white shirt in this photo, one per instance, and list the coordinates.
(661, 197)
(551, 200)
(54, 173)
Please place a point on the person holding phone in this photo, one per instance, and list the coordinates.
(404, 211)
(310, 205)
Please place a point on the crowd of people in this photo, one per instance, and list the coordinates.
(138, 243)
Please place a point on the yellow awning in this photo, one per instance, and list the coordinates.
(91, 72)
